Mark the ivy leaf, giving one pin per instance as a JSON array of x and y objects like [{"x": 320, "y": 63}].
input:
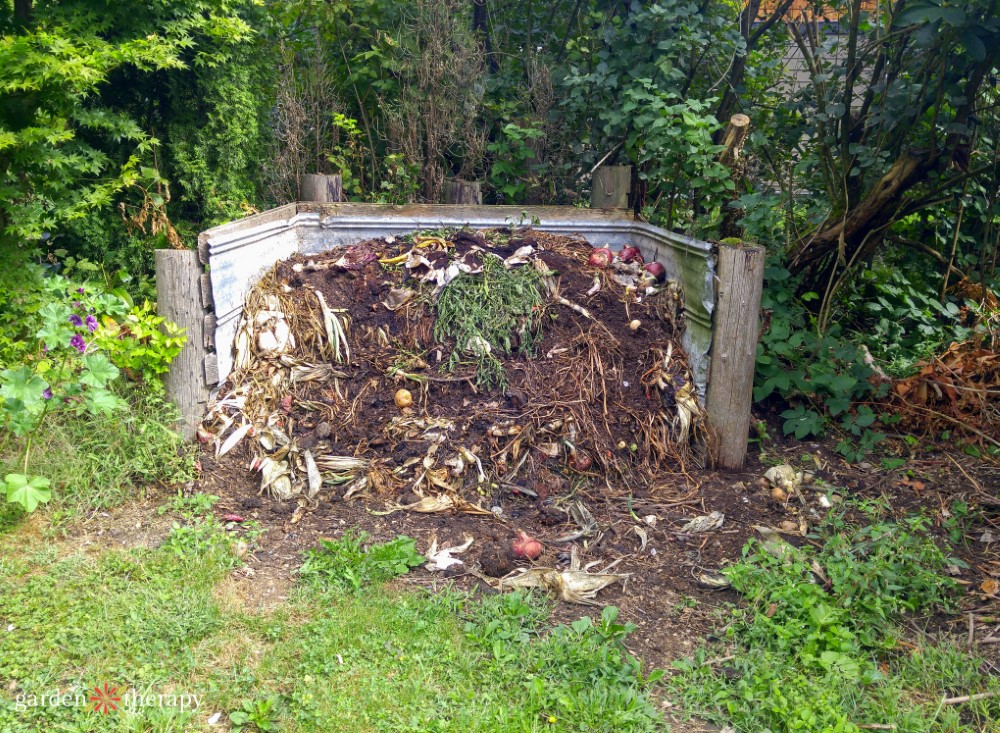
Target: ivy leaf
[
  {"x": 28, "y": 491},
  {"x": 98, "y": 371}
]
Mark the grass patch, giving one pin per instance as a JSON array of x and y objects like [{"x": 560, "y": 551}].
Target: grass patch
[
  {"x": 819, "y": 646},
  {"x": 97, "y": 462},
  {"x": 164, "y": 620},
  {"x": 497, "y": 311}
]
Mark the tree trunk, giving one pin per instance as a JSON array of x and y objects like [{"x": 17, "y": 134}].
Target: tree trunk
[
  {"x": 457, "y": 191},
  {"x": 866, "y": 224},
  {"x": 22, "y": 15},
  {"x": 321, "y": 188},
  {"x": 734, "y": 345},
  {"x": 610, "y": 187}
]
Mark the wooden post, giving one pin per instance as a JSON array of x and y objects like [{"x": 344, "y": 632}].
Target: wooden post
[
  {"x": 178, "y": 299},
  {"x": 457, "y": 191},
  {"x": 610, "y": 187},
  {"x": 732, "y": 158},
  {"x": 321, "y": 188},
  {"x": 734, "y": 345}
]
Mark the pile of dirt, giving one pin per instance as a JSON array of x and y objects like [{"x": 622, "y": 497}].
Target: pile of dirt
[{"x": 445, "y": 370}]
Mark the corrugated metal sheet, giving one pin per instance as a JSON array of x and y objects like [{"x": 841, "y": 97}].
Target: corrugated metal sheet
[{"x": 239, "y": 253}]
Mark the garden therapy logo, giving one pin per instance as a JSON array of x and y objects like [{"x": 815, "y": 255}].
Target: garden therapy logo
[{"x": 106, "y": 698}]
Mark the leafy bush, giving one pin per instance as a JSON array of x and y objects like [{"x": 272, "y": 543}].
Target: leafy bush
[
  {"x": 60, "y": 356},
  {"x": 902, "y": 322},
  {"x": 820, "y": 376},
  {"x": 95, "y": 462},
  {"x": 347, "y": 564}
]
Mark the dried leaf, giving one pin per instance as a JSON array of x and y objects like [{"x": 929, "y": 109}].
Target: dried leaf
[
  {"x": 704, "y": 523},
  {"x": 573, "y": 586},
  {"x": 437, "y": 504},
  {"x": 312, "y": 475},
  {"x": 234, "y": 439},
  {"x": 990, "y": 587},
  {"x": 784, "y": 477}
]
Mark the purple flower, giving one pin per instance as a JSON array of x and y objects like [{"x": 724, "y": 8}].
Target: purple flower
[
  {"x": 78, "y": 343},
  {"x": 91, "y": 324},
  {"x": 80, "y": 291},
  {"x": 77, "y": 305},
  {"x": 76, "y": 320},
  {"x": 47, "y": 393}
]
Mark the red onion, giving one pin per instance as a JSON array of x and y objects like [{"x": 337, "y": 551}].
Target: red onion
[
  {"x": 657, "y": 270},
  {"x": 601, "y": 257},
  {"x": 580, "y": 460},
  {"x": 526, "y": 547},
  {"x": 631, "y": 254}
]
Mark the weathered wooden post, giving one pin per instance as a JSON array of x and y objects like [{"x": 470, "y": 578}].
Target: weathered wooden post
[
  {"x": 610, "y": 187},
  {"x": 179, "y": 298},
  {"x": 736, "y": 318},
  {"x": 457, "y": 191},
  {"x": 321, "y": 188}
]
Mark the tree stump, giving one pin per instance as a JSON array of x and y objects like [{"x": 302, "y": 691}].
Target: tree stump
[
  {"x": 457, "y": 191},
  {"x": 734, "y": 347},
  {"x": 732, "y": 158},
  {"x": 321, "y": 188},
  {"x": 610, "y": 187},
  {"x": 179, "y": 299}
]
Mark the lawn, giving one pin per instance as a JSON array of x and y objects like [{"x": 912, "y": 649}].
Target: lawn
[{"x": 184, "y": 650}]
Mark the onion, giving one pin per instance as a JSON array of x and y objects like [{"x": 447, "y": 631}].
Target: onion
[
  {"x": 601, "y": 257},
  {"x": 634, "y": 325},
  {"x": 630, "y": 254},
  {"x": 403, "y": 398},
  {"x": 526, "y": 547},
  {"x": 580, "y": 460},
  {"x": 657, "y": 270}
]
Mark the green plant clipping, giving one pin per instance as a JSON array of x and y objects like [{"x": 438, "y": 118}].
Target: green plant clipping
[{"x": 497, "y": 311}]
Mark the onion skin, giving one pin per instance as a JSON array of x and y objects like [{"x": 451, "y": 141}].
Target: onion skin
[
  {"x": 601, "y": 257},
  {"x": 657, "y": 270},
  {"x": 631, "y": 254},
  {"x": 526, "y": 547}
]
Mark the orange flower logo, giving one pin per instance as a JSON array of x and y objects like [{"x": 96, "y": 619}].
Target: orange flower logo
[{"x": 105, "y": 698}]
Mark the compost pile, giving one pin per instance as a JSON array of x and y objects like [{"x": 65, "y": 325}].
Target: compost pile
[{"x": 441, "y": 370}]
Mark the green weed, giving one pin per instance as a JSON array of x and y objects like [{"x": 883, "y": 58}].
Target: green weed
[
  {"x": 817, "y": 647},
  {"x": 95, "y": 462},
  {"x": 348, "y": 564}
]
